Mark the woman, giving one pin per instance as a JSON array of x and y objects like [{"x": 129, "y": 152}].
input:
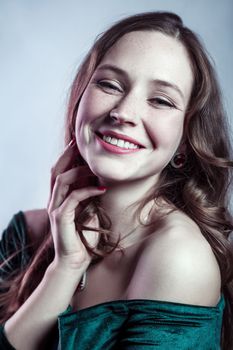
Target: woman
[{"x": 145, "y": 173}]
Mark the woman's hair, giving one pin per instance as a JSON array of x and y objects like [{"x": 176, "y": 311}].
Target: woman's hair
[{"x": 200, "y": 189}]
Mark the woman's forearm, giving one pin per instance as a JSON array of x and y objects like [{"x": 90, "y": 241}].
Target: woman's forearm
[{"x": 32, "y": 322}]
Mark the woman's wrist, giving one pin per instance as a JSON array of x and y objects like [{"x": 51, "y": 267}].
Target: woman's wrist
[{"x": 68, "y": 269}]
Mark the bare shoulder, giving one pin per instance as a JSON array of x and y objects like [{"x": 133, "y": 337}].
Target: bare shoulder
[
  {"x": 36, "y": 222},
  {"x": 178, "y": 265}
]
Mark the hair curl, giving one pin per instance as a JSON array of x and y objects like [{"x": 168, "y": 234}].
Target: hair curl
[{"x": 201, "y": 189}]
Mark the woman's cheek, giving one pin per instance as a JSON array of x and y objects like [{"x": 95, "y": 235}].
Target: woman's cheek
[
  {"x": 97, "y": 104},
  {"x": 167, "y": 135}
]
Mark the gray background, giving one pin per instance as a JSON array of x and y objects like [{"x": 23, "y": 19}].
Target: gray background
[{"x": 41, "y": 45}]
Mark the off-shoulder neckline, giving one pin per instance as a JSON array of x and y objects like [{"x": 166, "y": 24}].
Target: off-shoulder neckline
[{"x": 149, "y": 302}]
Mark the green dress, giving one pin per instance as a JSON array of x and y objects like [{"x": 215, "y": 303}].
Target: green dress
[{"x": 134, "y": 324}]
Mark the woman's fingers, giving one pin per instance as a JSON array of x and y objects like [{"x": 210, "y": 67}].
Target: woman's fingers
[
  {"x": 63, "y": 181},
  {"x": 64, "y": 162},
  {"x": 66, "y": 210},
  {"x": 70, "y": 153},
  {"x": 67, "y": 242}
]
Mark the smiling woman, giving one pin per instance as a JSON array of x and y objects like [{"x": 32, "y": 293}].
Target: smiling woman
[{"x": 134, "y": 239}]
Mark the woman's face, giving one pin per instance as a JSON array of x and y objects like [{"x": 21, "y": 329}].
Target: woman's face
[{"x": 146, "y": 78}]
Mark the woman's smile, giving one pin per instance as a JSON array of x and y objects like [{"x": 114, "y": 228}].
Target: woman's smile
[{"x": 118, "y": 146}]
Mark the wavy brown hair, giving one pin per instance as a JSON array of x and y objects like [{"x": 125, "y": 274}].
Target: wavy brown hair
[{"x": 200, "y": 189}]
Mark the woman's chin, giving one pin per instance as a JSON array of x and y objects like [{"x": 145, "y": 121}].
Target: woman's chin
[
  {"x": 109, "y": 175},
  {"x": 110, "y": 179}
]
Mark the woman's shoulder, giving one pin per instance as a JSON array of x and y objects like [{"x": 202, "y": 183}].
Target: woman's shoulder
[
  {"x": 24, "y": 228},
  {"x": 36, "y": 221},
  {"x": 179, "y": 255},
  {"x": 178, "y": 223}
]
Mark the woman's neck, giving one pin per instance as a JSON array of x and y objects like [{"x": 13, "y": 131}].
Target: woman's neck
[{"x": 121, "y": 201}]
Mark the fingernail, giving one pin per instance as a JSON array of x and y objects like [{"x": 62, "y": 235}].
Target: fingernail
[
  {"x": 71, "y": 143},
  {"x": 102, "y": 188}
]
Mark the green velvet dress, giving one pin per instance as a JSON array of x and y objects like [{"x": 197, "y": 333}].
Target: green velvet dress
[{"x": 134, "y": 324}]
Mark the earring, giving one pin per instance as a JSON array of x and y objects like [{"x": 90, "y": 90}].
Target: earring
[{"x": 178, "y": 160}]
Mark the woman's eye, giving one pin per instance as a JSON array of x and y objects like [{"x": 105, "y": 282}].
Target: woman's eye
[
  {"x": 106, "y": 85},
  {"x": 162, "y": 102}
]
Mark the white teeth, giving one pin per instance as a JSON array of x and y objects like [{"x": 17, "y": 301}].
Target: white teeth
[
  {"x": 113, "y": 141},
  {"x": 119, "y": 142}
]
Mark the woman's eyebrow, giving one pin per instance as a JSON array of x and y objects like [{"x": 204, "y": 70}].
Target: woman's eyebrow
[
  {"x": 113, "y": 68},
  {"x": 157, "y": 82}
]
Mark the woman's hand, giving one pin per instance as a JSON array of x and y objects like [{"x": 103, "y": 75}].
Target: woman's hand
[{"x": 64, "y": 203}]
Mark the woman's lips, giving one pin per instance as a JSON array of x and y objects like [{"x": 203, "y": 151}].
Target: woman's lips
[{"x": 114, "y": 149}]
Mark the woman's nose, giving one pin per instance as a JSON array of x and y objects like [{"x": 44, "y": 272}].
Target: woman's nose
[
  {"x": 125, "y": 111},
  {"x": 120, "y": 118}
]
